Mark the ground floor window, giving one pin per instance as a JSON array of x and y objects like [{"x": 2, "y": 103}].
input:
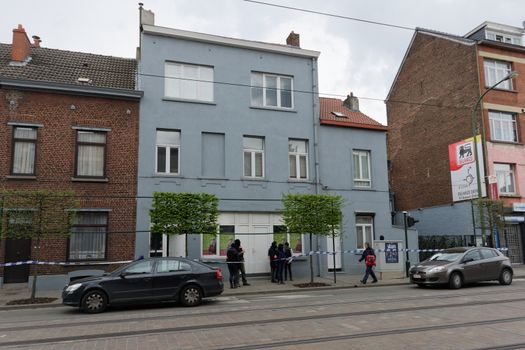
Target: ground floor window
[
  {"x": 88, "y": 236},
  {"x": 281, "y": 236},
  {"x": 364, "y": 229},
  {"x": 156, "y": 244},
  {"x": 217, "y": 244}
]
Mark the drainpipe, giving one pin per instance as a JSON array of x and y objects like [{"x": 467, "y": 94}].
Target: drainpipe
[{"x": 316, "y": 115}]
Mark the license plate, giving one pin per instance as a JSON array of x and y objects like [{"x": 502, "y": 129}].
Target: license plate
[{"x": 416, "y": 276}]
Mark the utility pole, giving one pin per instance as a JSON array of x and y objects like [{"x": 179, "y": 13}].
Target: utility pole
[{"x": 407, "y": 261}]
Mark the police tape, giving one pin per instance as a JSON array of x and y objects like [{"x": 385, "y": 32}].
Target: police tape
[{"x": 315, "y": 252}]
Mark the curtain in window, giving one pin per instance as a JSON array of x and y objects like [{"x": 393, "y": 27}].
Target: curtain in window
[
  {"x": 88, "y": 237},
  {"x": 91, "y": 157},
  {"x": 24, "y": 158}
]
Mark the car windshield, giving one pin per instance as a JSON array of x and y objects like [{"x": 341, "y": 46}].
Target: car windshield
[{"x": 445, "y": 256}]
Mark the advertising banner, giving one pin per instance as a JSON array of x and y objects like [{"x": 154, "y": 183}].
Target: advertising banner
[{"x": 463, "y": 169}]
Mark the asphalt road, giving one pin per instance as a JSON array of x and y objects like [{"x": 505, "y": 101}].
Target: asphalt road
[{"x": 487, "y": 316}]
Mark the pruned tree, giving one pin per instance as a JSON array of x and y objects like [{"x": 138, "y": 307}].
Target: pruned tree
[
  {"x": 493, "y": 215},
  {"x": 184, "y": 213},
  {"x": 36, "y": 215},
  {"x": 312, "y": 214}
]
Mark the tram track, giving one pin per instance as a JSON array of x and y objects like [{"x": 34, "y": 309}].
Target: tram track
[{"x": 222, "y": 325}]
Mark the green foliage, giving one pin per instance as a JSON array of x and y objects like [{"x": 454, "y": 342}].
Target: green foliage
[
  {"x": 493, "y": 213},
  {"x": 312, "y": 213},
  {"x": 183, "y": 213},
  {"x": 36, "y": 214}
]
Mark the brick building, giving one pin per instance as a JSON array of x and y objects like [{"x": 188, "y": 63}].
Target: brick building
[
  {"x": 429, "y": 108},
  {"x": 69, "y": 121}
]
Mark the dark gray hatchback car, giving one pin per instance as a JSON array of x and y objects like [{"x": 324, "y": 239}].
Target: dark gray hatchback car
[
  {"x": 146, "y": 281},
  {"x": 456, "y": 267}
]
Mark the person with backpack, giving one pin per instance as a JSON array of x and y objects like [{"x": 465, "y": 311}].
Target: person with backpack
[
  {"x": 232, "y": 260},
  {"x": 242, "y": 269},
  {"x": 272, "y": 255},
  {"x": 288, "y": 262},
  {"x": 370, "y": 261},
  {"x": 281, "y": 261}
]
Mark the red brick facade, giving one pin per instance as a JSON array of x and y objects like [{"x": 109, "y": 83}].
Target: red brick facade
[
  {"x": 432, "y": 96},
  {"x": 58, "y": 114}
]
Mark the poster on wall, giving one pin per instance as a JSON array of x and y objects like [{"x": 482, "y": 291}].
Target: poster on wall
[
  {"x": 463, "y": 169},
  {"x": 391, "y": 253}
]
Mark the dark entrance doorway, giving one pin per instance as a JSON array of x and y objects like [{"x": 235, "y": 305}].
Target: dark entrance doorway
[{"x": 17, "y": 249}]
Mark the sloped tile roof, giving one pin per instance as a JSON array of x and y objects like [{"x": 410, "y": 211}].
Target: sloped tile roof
[
  {"x": 65, "y": 67},
  {"x": 353, "y": 119}
]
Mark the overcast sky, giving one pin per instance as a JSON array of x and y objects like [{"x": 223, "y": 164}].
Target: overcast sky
[{"x": 355, "y": 56}]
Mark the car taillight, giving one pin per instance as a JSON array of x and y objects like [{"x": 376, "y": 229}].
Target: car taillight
[{"x": 218, "y": 274}]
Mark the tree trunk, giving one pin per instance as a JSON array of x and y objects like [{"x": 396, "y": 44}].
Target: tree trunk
[
  {"x": 311, "y": 260},
  {"x": 35, "y": 272}
]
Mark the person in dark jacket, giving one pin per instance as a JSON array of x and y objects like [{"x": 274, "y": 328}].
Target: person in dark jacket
[
  {"x": 232, "y": 260},
  {"x": 272, "y": 256},
  {"x": 288, "y": 261},
  {"x": 370, "y": 261},
  {"x": 242, "y": 269},
  {"x": 281, "y": 261}
]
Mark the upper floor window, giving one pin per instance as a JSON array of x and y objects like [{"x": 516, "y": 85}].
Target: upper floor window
[
  {"x": 505, "y": 176},
  {"x": 253, "y": 156},
  {"x": 298, "y": 157},
  {"x": 91, "y": 153},
  {"x": 496, "y": 71},
  {"x": 503, "y": 126},
  {"x": 168, "y": 149},
  {"x": 188, "y": 82},
  {"x": 24, "y": 151},
  {"x": 362, "y": 176},
  {"x": 504, "y": 38},
  {"x": 270, "y": 90}
]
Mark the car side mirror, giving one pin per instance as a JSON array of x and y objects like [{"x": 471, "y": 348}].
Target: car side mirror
[{"x": 467, "y": 260}]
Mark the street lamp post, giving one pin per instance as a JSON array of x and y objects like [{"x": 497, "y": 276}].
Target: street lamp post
[
  {"x": 407, "y": 261},
  {"x": 511, "y": 75}
]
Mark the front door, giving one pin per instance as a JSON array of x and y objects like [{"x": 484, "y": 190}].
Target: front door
[{"x": 17, "y": 249}]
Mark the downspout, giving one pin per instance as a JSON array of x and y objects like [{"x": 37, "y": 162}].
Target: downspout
[{"x": 316, "y": 115}]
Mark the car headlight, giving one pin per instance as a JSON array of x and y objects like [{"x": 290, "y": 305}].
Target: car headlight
[
  {"x": 437, "y": 269},
  {"x": 73, "y": 287}
]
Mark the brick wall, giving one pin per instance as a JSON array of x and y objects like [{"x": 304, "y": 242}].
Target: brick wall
[
  {"x": 55, "y": 160},
  {"x": 428, "y": 109}
]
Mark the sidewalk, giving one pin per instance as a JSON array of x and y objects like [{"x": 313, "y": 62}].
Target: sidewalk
[{"x": 258, "y": 285}]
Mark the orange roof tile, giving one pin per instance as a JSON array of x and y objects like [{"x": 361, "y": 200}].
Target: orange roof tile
[{"x": 352, "y": 119}]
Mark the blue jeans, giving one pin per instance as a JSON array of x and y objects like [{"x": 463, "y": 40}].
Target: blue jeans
[{"x": 369, "y": 272}]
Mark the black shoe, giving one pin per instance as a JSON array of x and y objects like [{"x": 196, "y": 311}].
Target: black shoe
[
  {"x": 375, "y": 281},
  {"x": 274, "y": 281},
  {"x": 362, "y": 282},
  {"x": 246, "y": 284}
]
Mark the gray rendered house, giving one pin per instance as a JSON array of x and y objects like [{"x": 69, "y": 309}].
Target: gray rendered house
[{"x": 238, "y": 119}]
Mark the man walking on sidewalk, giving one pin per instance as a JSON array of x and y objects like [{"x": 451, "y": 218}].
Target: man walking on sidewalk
[{"x": 370, "y": 261}]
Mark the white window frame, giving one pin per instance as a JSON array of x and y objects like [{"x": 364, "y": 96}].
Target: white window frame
[
  {"x": 500, "y": 69},
  {"x": 218, "y": 238},
  {"x": 505, "y": 38},
  {"x": 505, "y": 125},
  {"x": 358, "y": 173},
  {"x": 253, "y": 152},
  {"x": 278, "y": 89},
  {"x": 168, "y": 148},
  {"x": 297, "y": 160},
  {"x": 506, "y": 178},
  {"x": 200, "y": 81},
  {"x": 363, "y": 227}
]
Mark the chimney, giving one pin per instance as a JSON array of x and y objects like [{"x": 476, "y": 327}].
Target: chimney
[
  {"x": 21, "y": 45},
  {"x": 351, "y": 102},
  {"x": 36, "y": 41},
  {"x": 146, "y": 16},
  {"x": 293, "y": 39}
]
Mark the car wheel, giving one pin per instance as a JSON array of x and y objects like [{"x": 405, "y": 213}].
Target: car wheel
[
  {"x": 94, "y": 301},
  {"x": 421, "y": 285},
  {"x": 455, "y": 281},
  {"x": 506, "y": 277},
  {"x": 191, "y": 295}
]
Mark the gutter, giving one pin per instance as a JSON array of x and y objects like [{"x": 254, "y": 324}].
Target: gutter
[{"x": 71, "y": 89}]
